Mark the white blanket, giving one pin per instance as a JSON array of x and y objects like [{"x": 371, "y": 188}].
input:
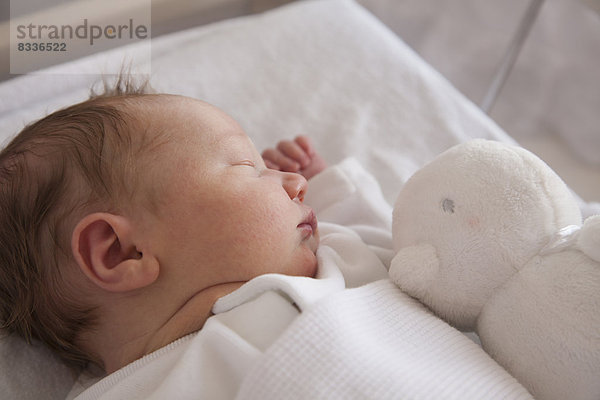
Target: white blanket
[
  {"x": 326, "y": 68},
  {"x": 375, "y": 342}
]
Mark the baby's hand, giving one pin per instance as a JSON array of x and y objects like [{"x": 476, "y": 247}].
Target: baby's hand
[{"x": 296, "y": 155}]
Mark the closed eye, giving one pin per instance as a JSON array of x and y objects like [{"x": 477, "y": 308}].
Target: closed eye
[{"x": 247, "y": 163}]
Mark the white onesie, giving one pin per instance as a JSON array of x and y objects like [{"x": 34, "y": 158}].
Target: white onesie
[{"x": 283, "y": 337}]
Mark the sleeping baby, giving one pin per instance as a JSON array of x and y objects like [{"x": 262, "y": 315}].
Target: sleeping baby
[{"x": 147, "y": 242}]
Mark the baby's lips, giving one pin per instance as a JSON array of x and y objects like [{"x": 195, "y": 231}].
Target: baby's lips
[
  {"x": 309, "y": 221},
  {"x": 313, "y": 221}
]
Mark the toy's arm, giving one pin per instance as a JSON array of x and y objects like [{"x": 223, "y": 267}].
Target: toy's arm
[{"x": 414, "y": 268}]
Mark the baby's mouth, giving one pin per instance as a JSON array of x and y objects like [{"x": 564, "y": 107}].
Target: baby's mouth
[{"x": 309, "y": 223}]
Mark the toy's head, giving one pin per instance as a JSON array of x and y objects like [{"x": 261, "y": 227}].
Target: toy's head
[{"x": 469, "y": 220}]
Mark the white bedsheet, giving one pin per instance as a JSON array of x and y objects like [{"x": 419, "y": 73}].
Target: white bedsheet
[{"x": 326, "y": 68}]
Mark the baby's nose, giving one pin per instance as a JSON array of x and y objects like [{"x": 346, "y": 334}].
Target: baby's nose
[{"x": 295, "y": 185}]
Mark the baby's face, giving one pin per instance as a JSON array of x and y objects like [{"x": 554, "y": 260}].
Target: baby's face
[{"x": 221, "y": 215}]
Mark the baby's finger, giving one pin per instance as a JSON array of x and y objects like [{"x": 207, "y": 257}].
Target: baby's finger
[
  {"x": 306, "y": 144},
  {"x": 294, "y": 151},
  {"x": 282, "y": 162},
  {"x": 270, "y": 164}
]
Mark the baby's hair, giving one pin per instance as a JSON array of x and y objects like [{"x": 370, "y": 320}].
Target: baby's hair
[{"x": 65, "y": 164}]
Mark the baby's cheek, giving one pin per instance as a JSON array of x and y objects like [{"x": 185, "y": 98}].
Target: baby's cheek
[
  {"x": 261, "y": 228},
  {"x": 277, "y": 233}
]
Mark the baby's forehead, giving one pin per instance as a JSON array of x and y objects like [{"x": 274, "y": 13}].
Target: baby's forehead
[
  {"x": 177, "y": 129},
  {"x": 185, "y": 118}
]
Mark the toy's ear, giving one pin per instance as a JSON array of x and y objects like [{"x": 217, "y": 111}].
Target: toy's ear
[{"x": 104, "y": 249}]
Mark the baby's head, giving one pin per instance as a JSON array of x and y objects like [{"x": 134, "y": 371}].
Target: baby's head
[{"x": 123, "y": 218}]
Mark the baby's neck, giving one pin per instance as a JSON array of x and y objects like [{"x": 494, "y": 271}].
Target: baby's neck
[{"x": 132, "y": 335}]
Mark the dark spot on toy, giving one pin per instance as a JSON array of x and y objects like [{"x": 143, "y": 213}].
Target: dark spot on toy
[{"x": 448, "y": 206}]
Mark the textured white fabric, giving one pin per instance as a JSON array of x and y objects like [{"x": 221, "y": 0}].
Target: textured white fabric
[{"x": 374, "y": 342}]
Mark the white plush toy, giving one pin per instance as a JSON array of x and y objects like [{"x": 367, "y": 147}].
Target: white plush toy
[{"x": 490, "y": 239}]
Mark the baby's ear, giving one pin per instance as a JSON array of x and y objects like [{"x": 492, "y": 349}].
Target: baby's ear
[{"x": 104, "y": 249}]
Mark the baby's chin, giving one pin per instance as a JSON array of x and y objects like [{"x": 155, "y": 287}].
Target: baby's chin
[
  {"x": 308, "y": 264},
  {"x": 312, "y": 267},
  {"x": 313, "y": 245},
  {"x": 313, "y": 242}
]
